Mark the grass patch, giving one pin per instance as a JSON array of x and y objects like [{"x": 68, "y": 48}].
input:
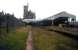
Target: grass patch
[
  {"x": 47, "y": 40},
  {"x": 14, "y": 40}
]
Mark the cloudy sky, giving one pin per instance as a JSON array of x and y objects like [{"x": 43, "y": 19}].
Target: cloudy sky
[{"x": 42, "y": 8}]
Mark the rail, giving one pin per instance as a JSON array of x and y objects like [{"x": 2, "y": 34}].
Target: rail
[{"x": 64, "y": 31}]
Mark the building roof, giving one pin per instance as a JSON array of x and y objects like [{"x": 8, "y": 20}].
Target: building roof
[
  {"x": 30, "y": 20},
  {"x": 61, "y": 14}
]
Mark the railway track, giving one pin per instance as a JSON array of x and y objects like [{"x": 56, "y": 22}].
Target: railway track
[
  {"x": 65, "y": 31},
  {"x": 47, "y": 37},
  {"x": 45, "y": 31}
]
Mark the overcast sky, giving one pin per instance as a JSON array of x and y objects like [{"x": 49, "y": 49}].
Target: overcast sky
[{"x": 42, "y": 8}]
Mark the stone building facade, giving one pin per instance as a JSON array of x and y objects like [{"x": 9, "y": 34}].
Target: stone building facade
[{"x": 28, "y": 14}]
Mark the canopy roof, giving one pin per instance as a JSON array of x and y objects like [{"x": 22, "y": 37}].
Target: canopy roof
[{"x": 61, "y": 14}]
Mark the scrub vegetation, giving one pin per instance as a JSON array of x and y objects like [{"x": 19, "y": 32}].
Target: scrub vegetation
[
  {"x": 50, "y": 40},
  {"x": 14, "y": 40}
]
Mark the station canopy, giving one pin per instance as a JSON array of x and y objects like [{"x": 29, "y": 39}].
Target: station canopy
[
  {"x": 61, "y": 14},
  {"x": 30, "y": 20}
]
